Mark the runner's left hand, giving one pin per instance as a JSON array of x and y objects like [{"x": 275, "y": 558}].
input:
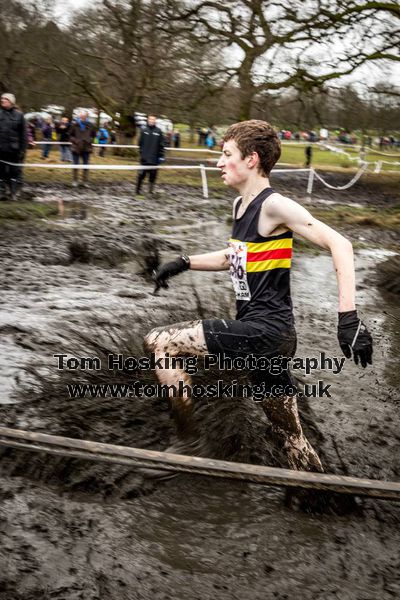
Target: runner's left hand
[{"x": 354, "y": 336}]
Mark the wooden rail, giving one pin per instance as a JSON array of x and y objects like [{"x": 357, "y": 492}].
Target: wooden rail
[{"x": 137, "y": 457}]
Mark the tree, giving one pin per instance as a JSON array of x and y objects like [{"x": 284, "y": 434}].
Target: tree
[
  {"x": 276, "y": 44},
  {"x": 125, "y": 57}
]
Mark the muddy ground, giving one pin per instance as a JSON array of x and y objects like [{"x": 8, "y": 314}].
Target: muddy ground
[{"x": 76, "y": 530}]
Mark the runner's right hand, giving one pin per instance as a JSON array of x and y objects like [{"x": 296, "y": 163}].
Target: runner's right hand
[{"x": 174, "y": 267}]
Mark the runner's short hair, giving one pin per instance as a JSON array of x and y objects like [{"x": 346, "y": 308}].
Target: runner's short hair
[{"x": 256, "y": 136}]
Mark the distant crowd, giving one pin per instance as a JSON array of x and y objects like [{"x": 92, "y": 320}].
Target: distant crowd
[
  {"x": 58, "y": 130},
  {"x": 52, "y": 130},
  {"x": 340, "y": 135}
]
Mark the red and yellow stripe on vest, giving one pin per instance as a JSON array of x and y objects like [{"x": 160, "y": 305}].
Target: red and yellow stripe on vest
[{"x": 276, "y": 254}]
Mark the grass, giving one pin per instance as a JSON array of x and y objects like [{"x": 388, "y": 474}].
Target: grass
[
  {"x": 292, "y": 155},
  {"x": 26, "y": 211},
  {"x": 325, "y": 159}
]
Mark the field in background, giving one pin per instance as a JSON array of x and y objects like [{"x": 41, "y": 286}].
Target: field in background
[{"x": 292, "y": 155}]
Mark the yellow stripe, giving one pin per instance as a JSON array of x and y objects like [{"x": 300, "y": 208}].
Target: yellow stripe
[
  {"x": 267, "y": 265},
  {"x": 264, "y": 246}
]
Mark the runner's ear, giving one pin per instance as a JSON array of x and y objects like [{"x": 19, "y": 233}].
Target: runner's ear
[{"x": 253, "y": 159}]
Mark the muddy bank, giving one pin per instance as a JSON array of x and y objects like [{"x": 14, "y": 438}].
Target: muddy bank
[{"x": 72, "y": 530}]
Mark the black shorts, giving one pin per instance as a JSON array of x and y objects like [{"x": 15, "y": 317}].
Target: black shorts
[{"x": 243, "y": 338}]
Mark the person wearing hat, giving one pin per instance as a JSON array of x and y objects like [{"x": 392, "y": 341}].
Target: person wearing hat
[{"x": 13, "y": 144}]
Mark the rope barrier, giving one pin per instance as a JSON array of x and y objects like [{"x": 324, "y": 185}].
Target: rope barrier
[
  {"x": 105, "y": 167},
  {"x": 203, "y": 169},
  {"x": 138, "y": 457},
  {"x": 339, "y": 151},
  {"x": 129, "y": 146},
  {"x": 348, "y": 185},
  {"x": 382, "y": 153}
]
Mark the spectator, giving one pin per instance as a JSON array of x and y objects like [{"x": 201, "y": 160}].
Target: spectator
[
  {"x": 47, "y": 133},
  {"x": 103, "y": 137},
  {"x": 31, "y": 133},
  {"x": 168, "y": 138},
  {"x": 151, "y": 148},
  {"x": 13, "y": 144},
  {"x": 81, "y": 135},
  {"x": 210, "y": 140},
  {"x": 63, "y": 129},
  {"x": 308, "y": 152},
  {"x": 203, "y": 132},
  {"x": 176, "y": 138}
]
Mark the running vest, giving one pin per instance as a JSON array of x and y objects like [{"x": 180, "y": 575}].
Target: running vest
[{"x": 260, "y": 270}]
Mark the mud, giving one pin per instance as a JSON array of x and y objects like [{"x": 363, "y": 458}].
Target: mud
[{"x": 79, "y": 284}]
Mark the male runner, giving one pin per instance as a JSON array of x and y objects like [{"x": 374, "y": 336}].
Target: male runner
[
  {"x": 151, "y": 148},
  {"x": 259, "y": 259}
]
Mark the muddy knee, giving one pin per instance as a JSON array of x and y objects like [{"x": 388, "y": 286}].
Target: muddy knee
[{"x": 150, "y": 340}]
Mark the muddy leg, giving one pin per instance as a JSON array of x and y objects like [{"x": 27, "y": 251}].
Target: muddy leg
[
  {"x": 178, "y": 340},
  {"x": 284, "y": 417}
]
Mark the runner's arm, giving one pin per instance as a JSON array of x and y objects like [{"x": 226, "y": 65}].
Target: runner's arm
[
  {"x": 212, "y": 261},
  {"x": 300, "y": 221}
]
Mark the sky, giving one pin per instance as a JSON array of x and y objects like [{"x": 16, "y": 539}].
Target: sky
[
  {"x": 363, "y": 77},
  {"x": 64, "y": 8}
]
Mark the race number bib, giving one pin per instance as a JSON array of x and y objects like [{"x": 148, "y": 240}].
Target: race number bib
[{"x": 237, "y": 269}]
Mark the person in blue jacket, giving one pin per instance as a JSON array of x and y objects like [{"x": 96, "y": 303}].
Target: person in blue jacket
[{"x": 103, "y": 136}]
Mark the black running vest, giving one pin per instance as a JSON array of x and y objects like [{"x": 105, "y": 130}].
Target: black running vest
[{"x": 260, "y": 270}]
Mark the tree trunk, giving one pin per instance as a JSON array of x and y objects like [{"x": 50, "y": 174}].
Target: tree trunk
[{"x": 247, "y": 90}]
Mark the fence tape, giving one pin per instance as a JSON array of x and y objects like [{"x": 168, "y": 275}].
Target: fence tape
[
  {"x": 382, "y": 153},
  {"x": 339, "y": 151},
  {"x": 357, "y": 176},
  {"x": 127, "y": 167},
  {"x": 202, "y": 168},
  {"x": 105, "y": 167},
  {"x": 129, "y": 146}
]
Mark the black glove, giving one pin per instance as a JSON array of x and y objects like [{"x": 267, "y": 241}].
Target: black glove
[
  {"x": 161, "y": 276},
  {"x": 353, "y": 335}
]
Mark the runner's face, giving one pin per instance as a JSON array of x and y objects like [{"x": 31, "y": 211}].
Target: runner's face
[{"x": 234, "y": 168}]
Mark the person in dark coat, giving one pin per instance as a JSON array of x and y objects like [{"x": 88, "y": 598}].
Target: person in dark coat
[
  {"x": 308, "y": 154},
  {"x": 47, "y": 134},
  {"x": 176, "y": 139},
  {"x": 151, "y": 148},
  {"x": 62, "y": 130},
  {"x": 81, "y": 136},
  {"x": 13, "y": 144}
]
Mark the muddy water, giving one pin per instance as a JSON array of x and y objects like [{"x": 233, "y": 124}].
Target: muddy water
[{"x": 73, "y": 530}]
